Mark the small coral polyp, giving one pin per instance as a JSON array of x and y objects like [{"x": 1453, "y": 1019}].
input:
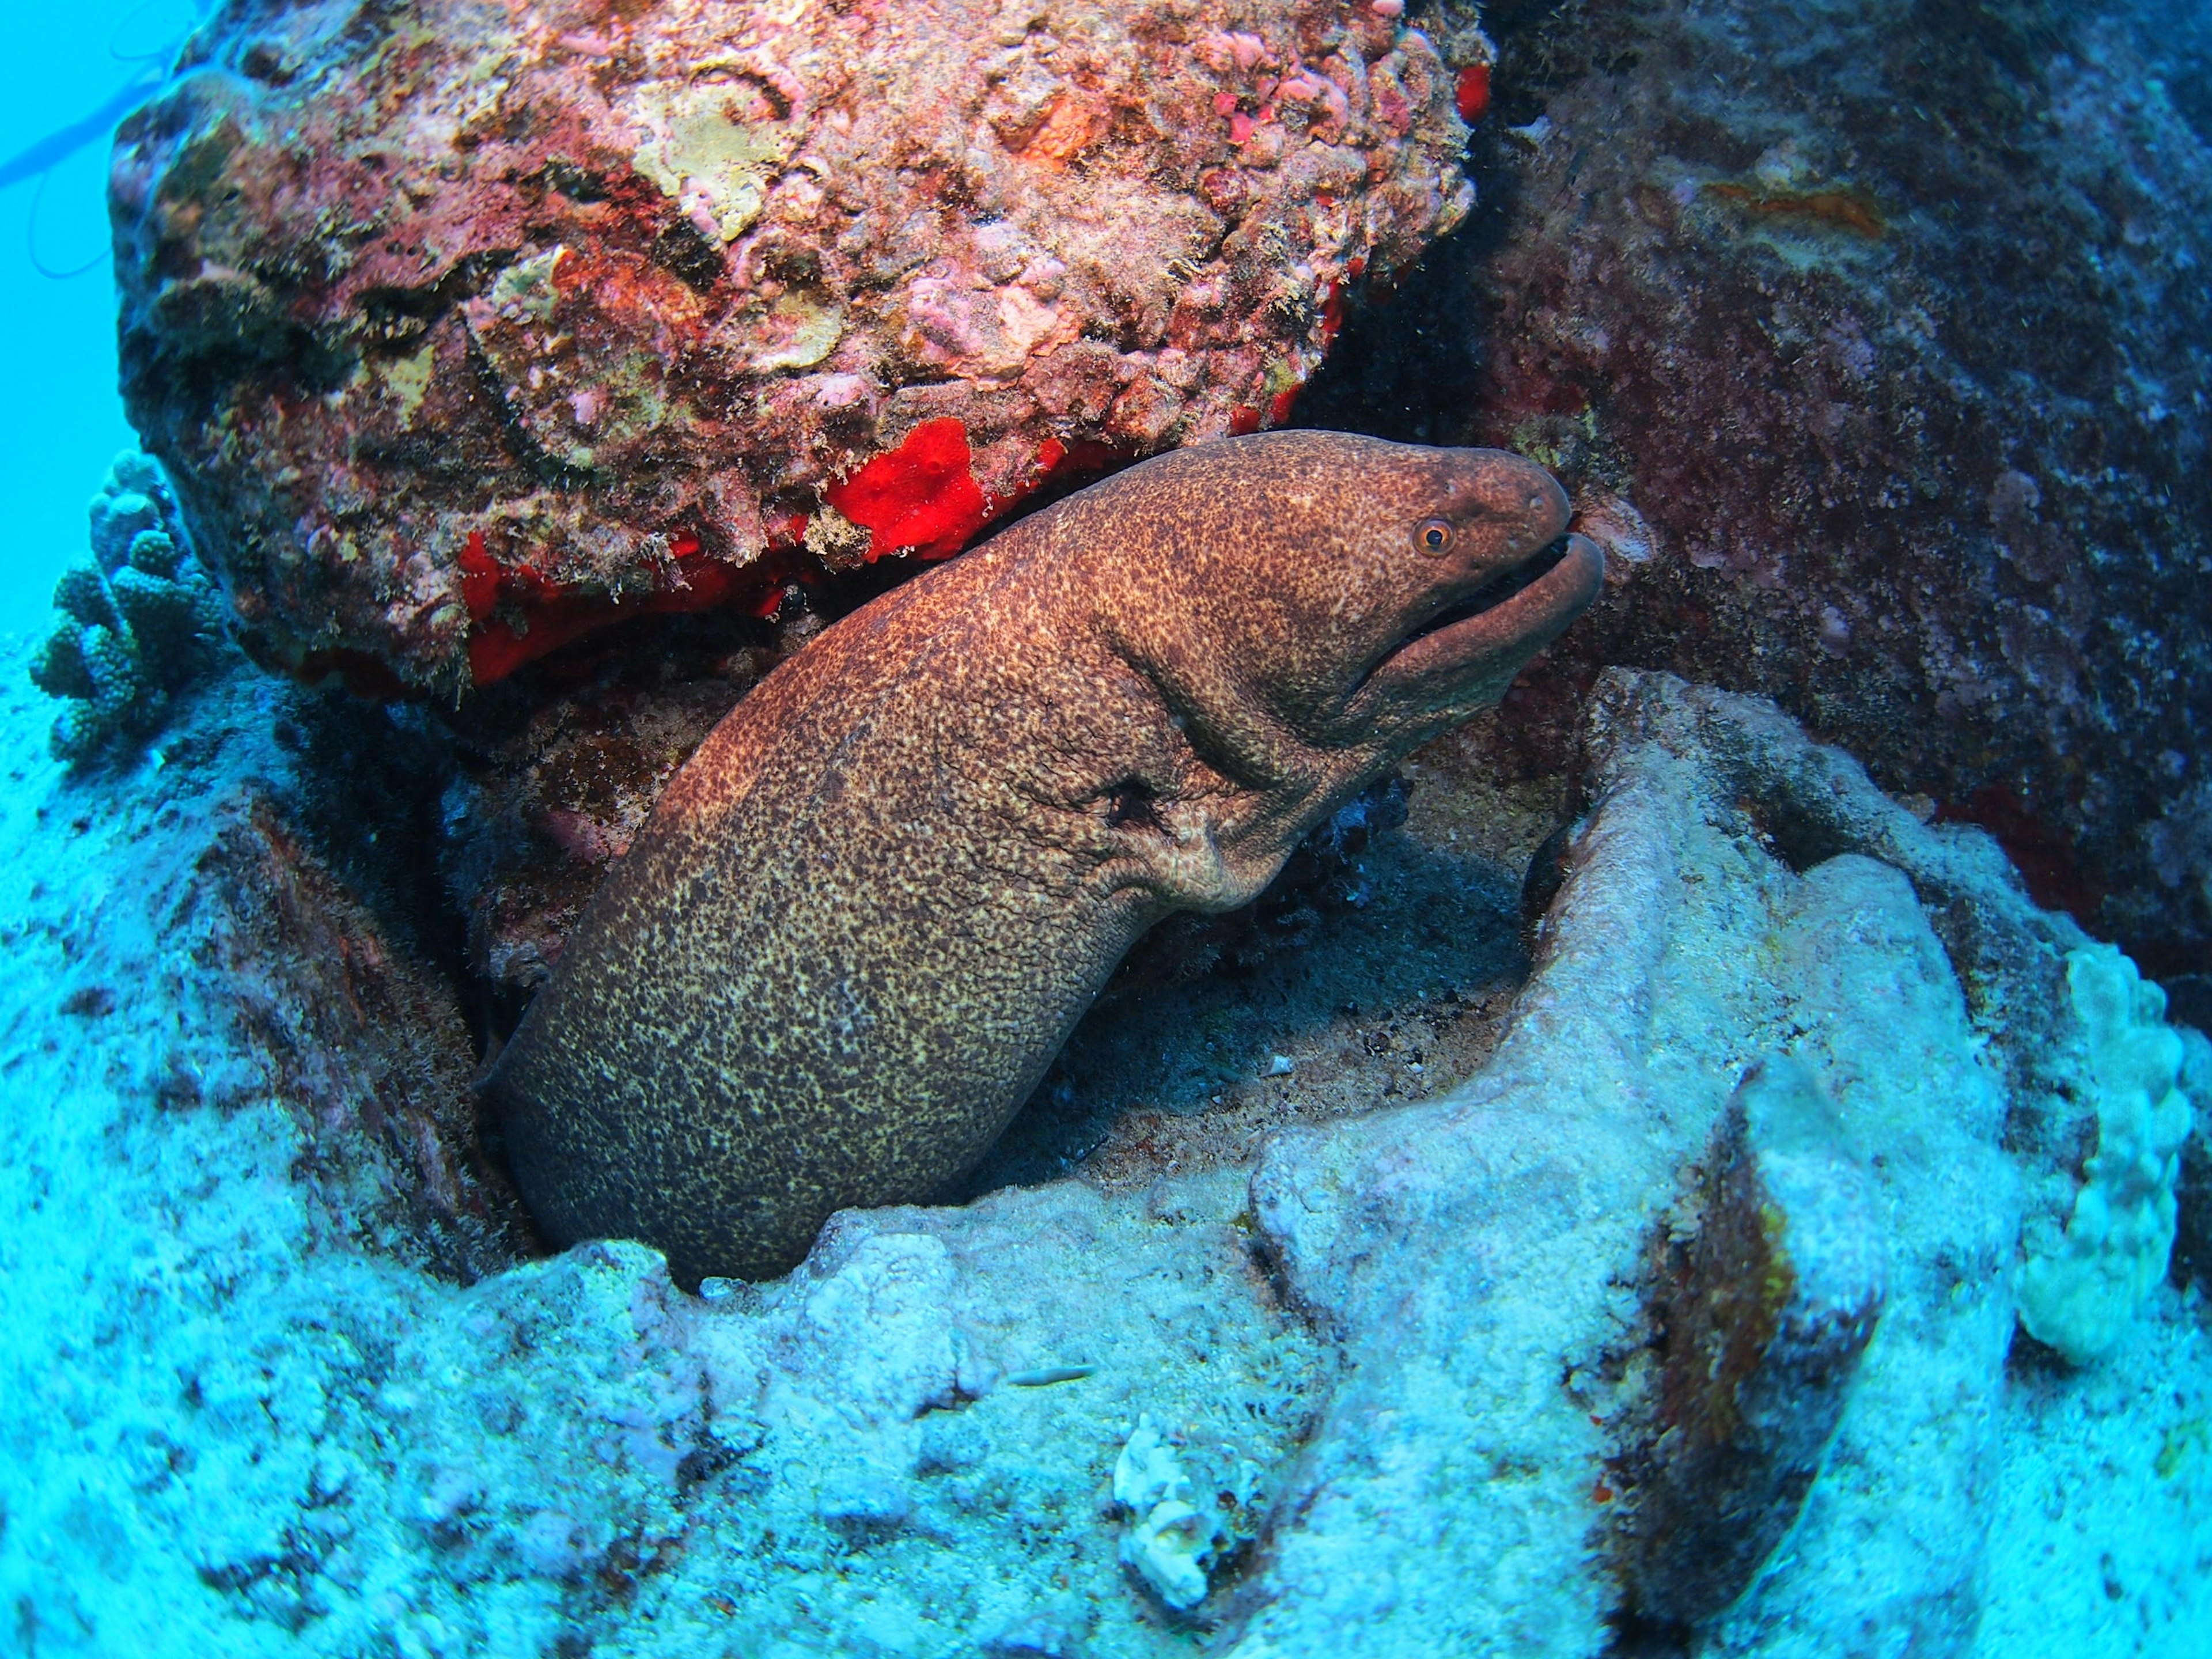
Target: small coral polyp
[
  {"x": 2082, "y": 1296},
  {"x": 570, "y": 284},
  {"x": 1182, "y": 1527}
]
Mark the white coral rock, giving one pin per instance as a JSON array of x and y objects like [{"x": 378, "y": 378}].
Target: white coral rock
[
  {"x": 1171, "y": 1542},
  {"x": 2081, "y": 1297}
]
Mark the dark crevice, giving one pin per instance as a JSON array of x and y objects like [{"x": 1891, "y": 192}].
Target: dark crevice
[
  {"x": 1633, "y": 1637},
  {"x": 683, "y": 248},
  {"x": 397, "y": 318},
  {"x": 1800, "y": 839},
  {"x": 374, "y": 775}
]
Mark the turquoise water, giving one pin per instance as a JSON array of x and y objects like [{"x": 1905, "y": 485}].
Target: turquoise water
[{"x": 62, "y": 423}]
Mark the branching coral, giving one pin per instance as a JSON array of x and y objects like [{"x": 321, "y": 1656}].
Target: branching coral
[{"x": 139, "y": 619}]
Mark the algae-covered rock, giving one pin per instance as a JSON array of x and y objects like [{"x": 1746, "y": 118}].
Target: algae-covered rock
[
  {"x": 279, "y": 1377},
  {"x": 1733, "y": 889},
  {"x": 1772, "y": 1305},
  {"x": 1869, "y": 338},
  {"x": 467, "y": 328}
]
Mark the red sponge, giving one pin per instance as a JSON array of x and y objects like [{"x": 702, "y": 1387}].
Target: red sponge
[{"x": 921, "y": 498}]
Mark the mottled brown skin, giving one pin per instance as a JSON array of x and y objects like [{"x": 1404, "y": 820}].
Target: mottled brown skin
[{"x": 867, "y": 914}]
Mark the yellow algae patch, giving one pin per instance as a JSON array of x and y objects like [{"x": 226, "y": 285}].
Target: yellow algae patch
[
  {"x": 408, "y": 381},
  {"x": 800, "y": 332},
  {"x": 714, "y": 146},
  {"x": 1845, "y": 208},
  {"x": 526, "y": 289},
  {"x": 635, "y": 398}
]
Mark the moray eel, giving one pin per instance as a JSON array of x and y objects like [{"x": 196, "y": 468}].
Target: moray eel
[{"x": 867, "y": 912}]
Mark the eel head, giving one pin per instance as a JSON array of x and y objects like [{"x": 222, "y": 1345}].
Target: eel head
[
  {"x": 1481, "y": 580},
  {"x": 1368, "y": 595}
]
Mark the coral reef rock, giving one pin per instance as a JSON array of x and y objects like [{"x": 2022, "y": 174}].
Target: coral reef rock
[
  {"x": 1394, "y": 1391},
  {"x": 2080, "y": 1294},
  {"x": 2192, "y": 1234},
  {"x": 1775, "y": 1300},
  {"x": 139, "y": 622},
  {"x": 1872, "y": 339},
  {"x": 1704, "y": 924},
  {"x": 467, "y": 329}
]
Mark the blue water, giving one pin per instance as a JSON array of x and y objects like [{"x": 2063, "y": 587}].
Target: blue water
[{"x": 62, "y": 422}]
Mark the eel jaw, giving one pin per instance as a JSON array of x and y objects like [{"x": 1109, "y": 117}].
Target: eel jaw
[{"x": 1482, "y": 641}]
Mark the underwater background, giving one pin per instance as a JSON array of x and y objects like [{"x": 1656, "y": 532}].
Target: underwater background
[
  {"x": 1709, "y": 1154},
  {"x": 70, "y": 421}
]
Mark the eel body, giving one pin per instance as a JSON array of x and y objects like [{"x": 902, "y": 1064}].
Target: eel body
[{"x": 866, "y": 914}]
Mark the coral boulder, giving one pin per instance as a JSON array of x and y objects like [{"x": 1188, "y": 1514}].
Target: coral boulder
[{"x": 467, "y": 330}]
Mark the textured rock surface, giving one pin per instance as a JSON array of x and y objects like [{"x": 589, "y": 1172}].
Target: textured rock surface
[
  {"x": 242, "y": 1413},
  {"x": 2192, "y": 1242},
  {"x": 469, "y": 327},
  {"x": 285, "y": 984},
  {"x": 1875, "y": 336},
  {"x": 1516, "y": 1380},
  {"x": 1769, "y": 1309}
]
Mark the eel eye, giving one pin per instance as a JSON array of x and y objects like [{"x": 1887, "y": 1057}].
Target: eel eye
[{"x": 1434, "y": 536}]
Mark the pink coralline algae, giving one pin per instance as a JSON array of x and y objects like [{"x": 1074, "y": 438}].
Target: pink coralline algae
[{"x": 467, "y": 330}]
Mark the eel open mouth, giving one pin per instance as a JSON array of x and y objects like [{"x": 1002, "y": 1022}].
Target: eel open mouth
[
  {"x": 1507, "y": 620},
  {"x": 1495, "y": 592}
]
